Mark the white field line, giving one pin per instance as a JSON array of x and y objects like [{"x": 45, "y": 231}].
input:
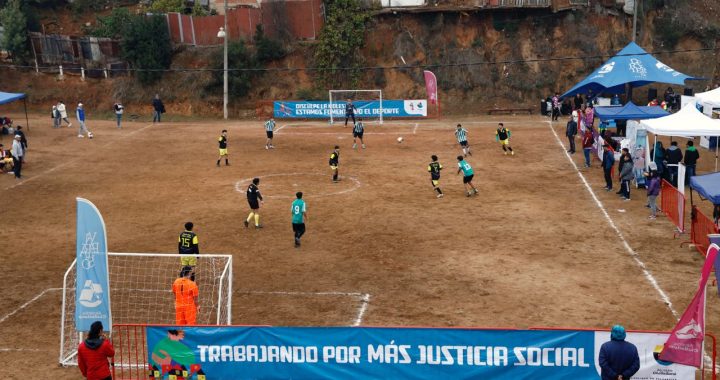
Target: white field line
[
  {"x": 415, "y": 129},
  {"x": 364, "y": 299},
  {"x": 21, "y": 350},
  {"x": 239, "y": 185},
  {"x": 24, "y": 181},
  {"x": 26, "y": 304},
  {"x": 663, "y": 296}
]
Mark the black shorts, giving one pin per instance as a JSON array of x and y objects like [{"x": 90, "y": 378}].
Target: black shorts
[
  {"x": 463, "y": 143},
  {"x": 358, "y": 134},
  {"x": 254, "y": 204},
  {"x": 468, "y": 178},
  {"x": 298, "y": 227},
  {"x": 269, "y": 134}
]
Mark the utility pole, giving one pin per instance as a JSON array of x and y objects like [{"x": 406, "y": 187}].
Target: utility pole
[{"x": 635, "y": 11}]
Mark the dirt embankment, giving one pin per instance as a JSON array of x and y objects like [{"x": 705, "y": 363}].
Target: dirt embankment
[{"x": 482, "y": 60}]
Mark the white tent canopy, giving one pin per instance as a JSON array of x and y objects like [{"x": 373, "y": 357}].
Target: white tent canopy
[
  {"x": 688, "y": 122},
  {"x": 709, "y": 97}
]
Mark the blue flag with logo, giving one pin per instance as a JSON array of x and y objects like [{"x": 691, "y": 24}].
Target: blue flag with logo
[{"x": 92, "y": 287}]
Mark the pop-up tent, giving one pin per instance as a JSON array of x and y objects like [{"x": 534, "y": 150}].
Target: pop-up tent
[
  {"x": 630, "y": 112},
  {"x": 632, "y": 65},
  {"x": 709, "y": 97},
  {"x": 8, "y": 97},
  {"x": 688, "y": 122},
  {"x": 708, "y": 186}
]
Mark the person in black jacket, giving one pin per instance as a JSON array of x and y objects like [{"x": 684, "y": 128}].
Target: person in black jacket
[
  {"x": 618, "y": 359},
  {"x": 158, "y": 108},
  {"x": 608, "y": 160},
  {"x": 570, "y": 131},
  {"x": 674, "y": 155},
  {"x": 691, "y": 158}
]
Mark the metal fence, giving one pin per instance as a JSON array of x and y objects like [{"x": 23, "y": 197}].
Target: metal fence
[{"x": 75, "y": 54}]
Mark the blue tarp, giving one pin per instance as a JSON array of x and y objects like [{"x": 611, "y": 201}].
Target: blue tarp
[
  {"x": 708, "y": 186},
  {"x": 7, "y": 97},
  {"x": 631, "y": 65},
  {"x": 630, "y": 112}
]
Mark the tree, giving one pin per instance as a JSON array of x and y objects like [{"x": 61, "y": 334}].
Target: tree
[
  {"x": 340, "y": 39},
  {"x": 168, "y": 6},
  {"x": 146, "y": 46},
  {"x": 14, "y": 39},
  {"x": 239, "y": 77},
  {"x": 115, "y": 25},
  {"x": 266, "y": 49}
]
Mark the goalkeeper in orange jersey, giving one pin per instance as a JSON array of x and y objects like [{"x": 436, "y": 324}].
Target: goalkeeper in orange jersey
[
  {"x": 186, "y": 298},
  {"x": 502, "y": 135}
]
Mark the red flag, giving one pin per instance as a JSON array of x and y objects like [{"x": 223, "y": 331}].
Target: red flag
[
  {"x": 431, "y": 86},
  {"x": 685, "y": 344}
]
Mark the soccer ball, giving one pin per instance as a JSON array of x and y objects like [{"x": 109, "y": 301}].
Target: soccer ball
[
  {"x": 400, "y": 139},
  {"x": 90, "y": 135}
]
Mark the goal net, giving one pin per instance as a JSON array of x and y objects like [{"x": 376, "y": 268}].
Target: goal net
[
  {"x": 368, "y": 104},
  {"x": 141, "y": 293}
]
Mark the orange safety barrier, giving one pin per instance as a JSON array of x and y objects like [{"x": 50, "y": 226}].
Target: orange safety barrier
[
  {"x": 700, "y": 227},
  {"x": 672, "y": 204}
]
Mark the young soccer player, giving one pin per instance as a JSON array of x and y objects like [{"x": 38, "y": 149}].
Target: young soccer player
[
  {"x": 349, "y": 111},
  {"x": 358, "y": 133},
  {"x": 186, "y": 298},
  {"x": 434, "y": 168},
  {"x": 335, "y": 162},
  {"x": 254, "y": 199},
  {"x": 269, "y": 127},
  {"x": 461, "y": 135},
  {"x": 503, "y": 136},
  {"x": 467, "y": 175},
  {"x": 188, "y": 247},
  {"x": 299, "y": 216},
  {"x": 222, "y": 144}
]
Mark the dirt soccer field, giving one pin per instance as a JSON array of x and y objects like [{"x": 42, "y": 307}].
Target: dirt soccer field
[{"x": 538, "y": 246}]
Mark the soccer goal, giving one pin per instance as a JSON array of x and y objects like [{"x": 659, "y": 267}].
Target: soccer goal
[
  {"x": 369, "y": 104},
  {"x": 141, "y": 292}
]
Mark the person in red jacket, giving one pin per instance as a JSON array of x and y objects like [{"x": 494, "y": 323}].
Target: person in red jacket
[{"x": 93, "y": 354}]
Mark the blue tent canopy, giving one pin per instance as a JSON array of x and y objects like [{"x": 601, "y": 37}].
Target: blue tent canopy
[
  {"x": 630, "y": 112},
  {"x": 708, "y": 186},
  {"x": 631, "y": 65},
  {"x": 8, "y": 97}
]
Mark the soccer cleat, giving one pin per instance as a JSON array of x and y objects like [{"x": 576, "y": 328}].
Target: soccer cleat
[
  {"x": 651, "y": 217},
  {"x": 267, "y": 147},
  {"x": 354, "y": 146},
  {"x": 70, "y": 125},
  {"x": 439, "y": 195},
  {"x": 272, "y": 146},
  {"x": 476, "y": 191},
  {"x": 258, "y": 226},
  {"x": 469, "y": 194},
  {"x": 246, "y": 223},
  {"x": 363, "y": 146},
  {"x": 512, "y": 153},
  {"x": 80, "y": 136},
  {"x": 505, "y": 153},
  {"x": 297, "y": 242}
]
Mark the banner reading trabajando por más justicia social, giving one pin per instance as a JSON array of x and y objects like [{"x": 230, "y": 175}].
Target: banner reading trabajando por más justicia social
[
  {"x": 363, "y": 108},
  {"x": 413, "y": 353}
]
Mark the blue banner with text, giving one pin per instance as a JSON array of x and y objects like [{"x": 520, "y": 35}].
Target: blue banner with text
[{"x": 362, "y": 108}]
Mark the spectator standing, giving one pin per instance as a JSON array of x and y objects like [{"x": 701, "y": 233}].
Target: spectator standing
[
  {"x": 63, "y": 114},
  {"x": 119, "y": 110},
  {"x": 577, "y": 102},
  {"x": 55, "y": 115},
  {"x": 18, "y": 154},
  {"x": 658, "y": 155},
  {"x": 653, "y": 189},
  {"x": 626, "y": 174},
  {"x": 80, "y": 115},
  {"x": 570, "y": 131},
  {"x": 587, "y": 144},
  {"x": 674, "y": 156},
  {"x": 158, "y": 108},
  {"x": 555, "y": 107},
  {"x": 23, "y": 139},
  {"x": 93, "y": 354},
  {"x": 691, "y": 158},
  {"x": 619, "y": 360},
  {"x": 589, "y": 116},
  {"x": 608, "y": 160}
]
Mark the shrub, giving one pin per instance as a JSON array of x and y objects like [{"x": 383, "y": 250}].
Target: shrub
[
  {"x": 240, "y": 60},
  {"x": 14, "y": 38},
  {"x": 266, "y": 49}
]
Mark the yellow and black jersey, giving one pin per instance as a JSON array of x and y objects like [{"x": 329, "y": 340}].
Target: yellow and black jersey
[
  {"x": 222, "y": 142},
  {"x": 502, "y": 133},
  {"x": 253, "y": 193},
  {"x": 188, "y": 243},
  {"x": 434, "y": 169},
  {"x": 334, "y": 158}
]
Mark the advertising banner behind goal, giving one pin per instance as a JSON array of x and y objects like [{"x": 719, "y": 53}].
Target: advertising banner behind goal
[
  {"x": 359, "y": 353},
  {"x": 365, "y": 108}
]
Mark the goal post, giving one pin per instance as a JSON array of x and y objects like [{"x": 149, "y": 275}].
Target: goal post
[
  {"x": 369, "y": 104},
  {"x": 141, "y": 293}
]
